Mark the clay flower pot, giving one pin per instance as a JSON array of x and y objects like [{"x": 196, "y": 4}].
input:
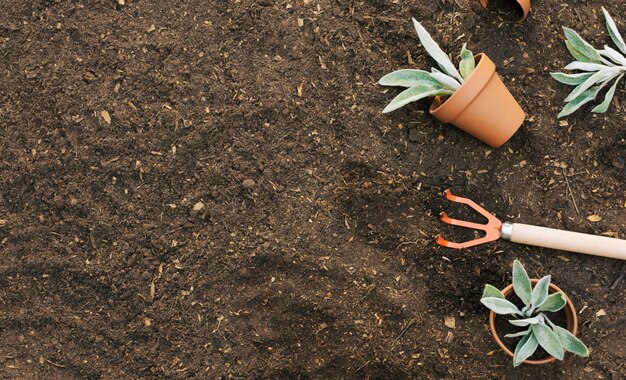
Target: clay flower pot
[
  {"x": 570, "y": 316},
  {"x": 524, "y": 4},
  {"x": 482, "y": 106}
]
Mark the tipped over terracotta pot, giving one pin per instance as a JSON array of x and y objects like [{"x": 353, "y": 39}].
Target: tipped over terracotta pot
[
  {"x": 524, "y": 4},
  {"x": 570, "y": 317},
  {"x": 482, "y": 106}
]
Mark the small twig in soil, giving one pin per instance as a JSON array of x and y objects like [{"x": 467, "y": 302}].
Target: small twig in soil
[
  {"x": 619, "y": 279},
  {"x": 368, "y": 292},
  {"x": 174, "y": 230},
  {"x": 382, "y": 18},
  {"x": 536, "y": 262},
  {"x": 55, "y": 364},
  {"x": 578, "y": 15},
  {"x": 411, "y": 322},
  {"x": 152, "y": 290},
  {"x": 219, "y": 323},
  {"x": 363, "y": 366},
  {"x": 570, "y": 192},
  {"x": 407, "y": 242}
]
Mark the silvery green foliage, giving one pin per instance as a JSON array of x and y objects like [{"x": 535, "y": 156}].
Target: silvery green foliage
[
  {"x": 539, "y": 330},
  {"x": 599, "y": 68},
  {"x": 422, "y": 84}
]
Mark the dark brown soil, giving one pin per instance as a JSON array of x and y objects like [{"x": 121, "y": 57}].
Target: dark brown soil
[{"x": 173, "y": 206}]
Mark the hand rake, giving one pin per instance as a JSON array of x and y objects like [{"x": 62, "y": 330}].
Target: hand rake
[{"x": 532, "y": 235}]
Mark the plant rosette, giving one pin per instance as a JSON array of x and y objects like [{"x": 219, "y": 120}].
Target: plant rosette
[
  {"x": 598, "y": 68},
  {"x": 570, "y": 317},
  {"x": 543, "y": 301},
  {"x": 472, "y": 98}
]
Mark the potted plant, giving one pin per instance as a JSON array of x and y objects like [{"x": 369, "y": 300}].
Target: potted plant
[
  {"x": 543, "y": 305},
  {"x": 472, "y": 98},
  {"x": 599, "y": 67},
  {"x": 524, "y": 4}
]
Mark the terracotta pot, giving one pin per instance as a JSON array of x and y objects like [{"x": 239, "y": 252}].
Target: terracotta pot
[
  {"x": 482, "y": 106},
  {"x": 570, "y": 316},
  {"x": 524, "y": 4}
]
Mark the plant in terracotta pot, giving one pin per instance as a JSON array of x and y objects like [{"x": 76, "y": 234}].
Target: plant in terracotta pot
[
  {"x": 542, "y": 303},
  {"x": 598, "y": 68},
  {"x": 473, "y": 98}
]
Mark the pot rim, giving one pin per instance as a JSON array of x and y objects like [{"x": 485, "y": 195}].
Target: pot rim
[
  {"x": 570, "y": 315},
  {"x": 448, "y": 110},
  {"x": 525, "y": 6}
]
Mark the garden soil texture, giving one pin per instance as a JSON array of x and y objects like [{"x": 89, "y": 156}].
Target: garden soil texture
[{"x": 208, "y": 189}]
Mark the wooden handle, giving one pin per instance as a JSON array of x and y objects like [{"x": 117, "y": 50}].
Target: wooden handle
[{"x": 568, "y": 241}]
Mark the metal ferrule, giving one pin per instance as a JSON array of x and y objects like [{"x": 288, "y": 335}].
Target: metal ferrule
[{"x": 507, "y": 230}]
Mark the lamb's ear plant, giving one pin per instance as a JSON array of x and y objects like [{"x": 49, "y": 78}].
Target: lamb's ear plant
[
  {"x": 539, "y": 330},
  {"x": 598, "y": 68},
  {"x": 422, "y": 84}
]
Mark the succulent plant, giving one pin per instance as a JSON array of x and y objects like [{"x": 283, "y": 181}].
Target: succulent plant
[
  {"x": 422, "y": 84},
  {"x": 599, "y": 67},
  {"x": 540, "y": 331}
]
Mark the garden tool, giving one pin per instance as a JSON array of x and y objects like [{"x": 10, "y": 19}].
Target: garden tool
[{"x": 532, "y": 235}]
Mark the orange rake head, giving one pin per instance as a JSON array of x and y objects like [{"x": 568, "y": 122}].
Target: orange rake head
[{"x": 493, "y": 228}]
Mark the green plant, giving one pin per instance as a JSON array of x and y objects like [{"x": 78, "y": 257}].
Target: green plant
[
  {"x": 598, "y": 68},
  {"x": 540, "y": 330},
  {"x": 422, "y": 84}
]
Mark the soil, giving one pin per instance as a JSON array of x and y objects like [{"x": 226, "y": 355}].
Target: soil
[{"x": 200, "y": 189}]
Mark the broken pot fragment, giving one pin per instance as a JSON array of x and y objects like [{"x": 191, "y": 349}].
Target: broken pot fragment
[{"x": 524, "y": 4}]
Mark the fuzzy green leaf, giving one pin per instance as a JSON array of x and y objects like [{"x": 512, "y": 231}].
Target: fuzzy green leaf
[
  {"x": 585, "y": 66},
  {"x": 575, "y": 53},
  {"x": 570, "y": 342},
  {"x": 521, "y": 283},
  {"x": 407, "y": 78},
  {"x": 492, "y": 291},
  {"x": 467, "y": 64},
  {"x": 446, "y": 80},
  {"x": 604, "y": 106},
  {"x": 548, "y": 340},
  {"x": 435, "y": 51},
  {"x": 526, "y": 322},
  {"x": 580, "y": 45},
  {"x": 554, "y": 302},
  {"x": 524, "y": 349},
  {"x": 540, "y": 292},
  {"x": 500, "y": 306},
  {"x": 613, "y": 55},
  {"x": 571, "y": 79},
  {"x": 581, "y": 100},
  {"x": 521, "y": 333},
  {"x": 613, "y": 32},
  {"x": 414, "y": 94},
  {"x": 599, "y": 77}
]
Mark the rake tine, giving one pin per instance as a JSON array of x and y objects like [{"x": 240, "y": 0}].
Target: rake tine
[
  {"x": 450, "y": 244},
  {"x": 491, "y": 228},
  {"x": 455, "y": 222},
  {"x": 472, "y": 204}
]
